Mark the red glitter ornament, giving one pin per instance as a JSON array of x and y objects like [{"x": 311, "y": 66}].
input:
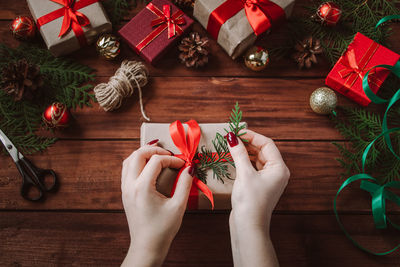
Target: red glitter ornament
[
  {"x": 23, "y": 28},
  {"x": 328, "y": 13},
  {"x": 56, "y": 115}
]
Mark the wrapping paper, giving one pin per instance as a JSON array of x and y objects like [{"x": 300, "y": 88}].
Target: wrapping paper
[
  {"x": 139, "y": 27},
  {"x": 346, "y": 77},
  {"x": 221, "y": 191},
  {"x": 236, "y": 34},
  {"x": 99, "y": 23}
]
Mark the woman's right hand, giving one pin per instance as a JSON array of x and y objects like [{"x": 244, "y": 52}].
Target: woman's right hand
[{"x": 255, "y": 195}]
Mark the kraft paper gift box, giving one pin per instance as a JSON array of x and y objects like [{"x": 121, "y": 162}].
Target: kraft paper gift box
[
  {"x": 165, "y": 182},
  {"x": 242, "y": 24},
  {"x": 148, "y": 33},
  {"x": 52, "y": 16},
  {"x": 360, "y": 56}
]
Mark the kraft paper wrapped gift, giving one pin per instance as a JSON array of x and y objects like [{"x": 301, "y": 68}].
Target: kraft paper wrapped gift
[
  {"x": 52, "y": 16},
  {"x": 221, "y": 191},
  {"x": 151, "y": 33},
  {"x": 242, "y": 21}
]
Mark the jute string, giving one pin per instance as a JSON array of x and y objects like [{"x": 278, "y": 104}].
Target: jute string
[{"x": 131, "y": 75}]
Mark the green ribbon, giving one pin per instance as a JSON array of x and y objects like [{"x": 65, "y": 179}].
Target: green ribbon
[{"x": 379, "y": 193}]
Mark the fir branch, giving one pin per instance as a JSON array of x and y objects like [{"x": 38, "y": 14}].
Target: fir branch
[{"x": 118, "y": 9}]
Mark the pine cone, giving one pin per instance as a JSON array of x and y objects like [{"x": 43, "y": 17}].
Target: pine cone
[
  {"x": 21, "y": 79},
  {"x": 184, "y": 4},
  {"x": 306, "y": 51},
  {"x": 194, "y": 50}
]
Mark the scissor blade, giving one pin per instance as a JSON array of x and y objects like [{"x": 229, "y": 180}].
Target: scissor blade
[{"x": 10, "y": 147}]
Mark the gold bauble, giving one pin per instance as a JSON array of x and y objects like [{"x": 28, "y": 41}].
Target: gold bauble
[
  {"x": 256, "y": 58},
  {"x": 323, "y": 100},
  {"x": 108, "y": 46}
]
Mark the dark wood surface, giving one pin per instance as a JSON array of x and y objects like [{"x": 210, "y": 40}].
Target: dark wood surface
[{"x": 84, "y": 223}]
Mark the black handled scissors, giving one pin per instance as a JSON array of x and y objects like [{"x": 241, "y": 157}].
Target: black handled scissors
[{"x": 35, "y": 181}]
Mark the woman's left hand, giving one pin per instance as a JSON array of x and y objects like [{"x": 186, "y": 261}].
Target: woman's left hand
[{"x": 153, "y": 219}]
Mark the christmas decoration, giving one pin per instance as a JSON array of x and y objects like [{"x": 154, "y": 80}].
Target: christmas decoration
[
  {"x": 328, "y": 14},
  {"x": 334, "y": 41},
  {"x": 155, "y": 29},
  {"x": 240, "y": 28},
  {"x": 62, "y": 79},
  {"x": 21, "y": 80},
  {"x": 210, "y": 154},
  {"x": 306, "y": 51},
  {"x": 323, "y": 101},
  {"x": 194, "y": 50},
  {"x": 108, "y": 46},
  {"x": 56, "y": 116},
  {"x": 118, "y": 9},
  {"x": 184, "y": 4},
  {"x": 363, "y": 53},
  {"x": 23, "y": 28},
  {"x": 131, "y": 75},
  {"x": 69, "y": 24},
  {"x": 257, "y": 58}
]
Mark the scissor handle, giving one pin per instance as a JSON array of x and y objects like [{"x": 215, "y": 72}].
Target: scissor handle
[{"x": 34, "y": 180}]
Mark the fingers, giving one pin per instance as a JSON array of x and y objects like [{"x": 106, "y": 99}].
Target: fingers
[
  {"x": 155, "y": 165},
  {"x": 183, "y": 186},
  {"x": 268, "y": 150},
  {"x": 239, "y": 153},
  {"x": 135, "y": 163}
]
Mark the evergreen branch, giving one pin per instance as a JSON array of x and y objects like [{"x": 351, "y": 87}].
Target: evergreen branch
[{"x": 118, "y": 9}]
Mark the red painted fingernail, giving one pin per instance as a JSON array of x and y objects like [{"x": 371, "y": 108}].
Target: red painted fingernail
[
  {"x": 153, "y": 142},
  {"x": 232, "y": 139},
  {"x": 172, "y": 153},
  {"x": 191, "y": 170}
]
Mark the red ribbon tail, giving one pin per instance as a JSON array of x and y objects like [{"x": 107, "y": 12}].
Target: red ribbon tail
[{"x": 204, "y": 188}]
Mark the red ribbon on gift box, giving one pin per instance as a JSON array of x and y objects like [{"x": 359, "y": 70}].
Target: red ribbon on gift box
[
  {"x": 73, "y": 19},
  {"x": 261, "y": 14},
  {"x": 163, "y": 21},
  {"x": 188, "y": 144},
  {"x": 353, "y": 70}
]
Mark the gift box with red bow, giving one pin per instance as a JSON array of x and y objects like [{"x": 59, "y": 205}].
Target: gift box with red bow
[
  {"x": 203, "y": 195},
  {"x": 236, "y": 24},
  {"x": 67, "y": 25},
  {"x": 155, "y": 29},
  {"x": 361, "y": 55}
]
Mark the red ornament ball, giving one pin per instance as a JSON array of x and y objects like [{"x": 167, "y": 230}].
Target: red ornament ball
[
  {"x": 329, "y": 13},
  {"x": 23, "y": 28},
  {"x": 56, "y": 115}
]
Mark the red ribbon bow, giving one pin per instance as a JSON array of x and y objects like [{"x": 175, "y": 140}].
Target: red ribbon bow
[
  {"x": 353, "y": 68},
  {"x": 73, "y": 19},
  {"x": 163, "y": 21},
  {"x": 188, "y": 147},
  {"x": 261, "y": 14}
]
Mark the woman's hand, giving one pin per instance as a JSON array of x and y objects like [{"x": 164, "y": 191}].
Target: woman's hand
[
  {"x": 255, "y": 195},
  {"x": 153, "y": 219}
]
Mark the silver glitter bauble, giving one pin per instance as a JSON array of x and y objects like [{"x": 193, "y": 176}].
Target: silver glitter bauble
[{"x": 323, "y": 100}]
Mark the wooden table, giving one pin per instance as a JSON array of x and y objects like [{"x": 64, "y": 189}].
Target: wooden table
[{"x": 84, "y": 223}]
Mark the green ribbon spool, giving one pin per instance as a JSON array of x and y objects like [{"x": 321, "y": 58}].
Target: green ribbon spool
[{"x": 379, "y": 193}]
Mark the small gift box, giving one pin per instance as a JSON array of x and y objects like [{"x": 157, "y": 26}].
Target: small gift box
[
  {"x": 67, "y": 25},
  {"x": 155, "y": 29},
  {"x": 201, "y": 194},
  {"x": 361, "y": 55},
  {"x": 235, "y": 24}
]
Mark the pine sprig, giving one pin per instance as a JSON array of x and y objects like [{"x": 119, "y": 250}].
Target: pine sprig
[
  {"x": 118, "y": 9},
  {"x": 220, "y": 160},
  {"x": 64, "y": 81}
]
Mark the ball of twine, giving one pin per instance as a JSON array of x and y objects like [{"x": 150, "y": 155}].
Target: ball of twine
[{"x": 131, "y": 75}]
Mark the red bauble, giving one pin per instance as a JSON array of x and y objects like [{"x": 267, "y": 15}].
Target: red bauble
[
  {"x": 329, "y": 13},
  {"x": 23, "y": 28},
  {"x": 56, "y": 115}
]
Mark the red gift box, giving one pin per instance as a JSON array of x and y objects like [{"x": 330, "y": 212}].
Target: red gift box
[
  {"x": 155, "y": 29},
  {"x": 361, "y": 55}
]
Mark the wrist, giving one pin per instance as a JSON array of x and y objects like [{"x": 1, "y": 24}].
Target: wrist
[
  {"x": 248, "y": 221},
  {"x": 146, "y": 254}
]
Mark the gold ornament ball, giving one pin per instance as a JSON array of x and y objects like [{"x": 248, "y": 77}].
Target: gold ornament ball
[
  {"x": 256, "y": 58},
  {"x": 323, "y": 100},
  {"x": 108, "y": 46}
]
